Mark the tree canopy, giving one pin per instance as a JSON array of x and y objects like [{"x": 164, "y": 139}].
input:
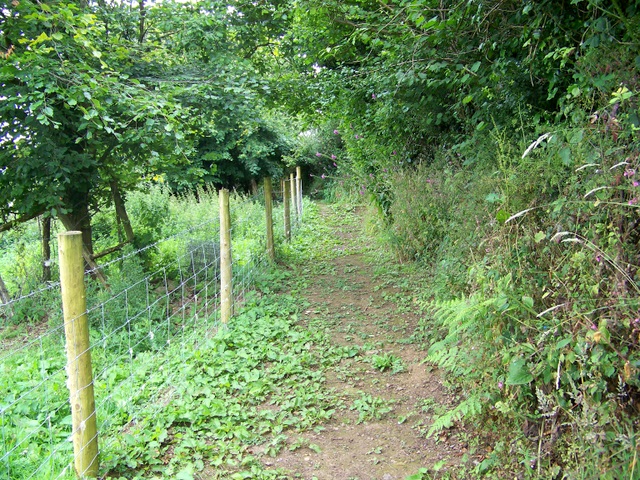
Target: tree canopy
[{"x": 100, "y": 96}]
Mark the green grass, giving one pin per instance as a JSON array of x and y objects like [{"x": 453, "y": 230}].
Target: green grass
[{"x": 160, "y": 373}]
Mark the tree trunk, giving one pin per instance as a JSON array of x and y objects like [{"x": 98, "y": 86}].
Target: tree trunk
[
  {"x": 4, "y": 293},
  {"x": 141, "y": 27},
  {"x": 121, "y": 212},
  {"x": 46, "y": 249},
  {"x": 80, "y": 219}
]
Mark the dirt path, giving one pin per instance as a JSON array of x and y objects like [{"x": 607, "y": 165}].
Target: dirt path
[{"x": 364, "y": 300}]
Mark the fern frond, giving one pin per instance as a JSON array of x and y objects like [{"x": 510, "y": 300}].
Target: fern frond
[{"x": 470, "y": 407}]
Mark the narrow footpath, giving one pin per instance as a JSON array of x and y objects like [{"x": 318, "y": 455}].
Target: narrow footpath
[{"x": 363, "y": 298}]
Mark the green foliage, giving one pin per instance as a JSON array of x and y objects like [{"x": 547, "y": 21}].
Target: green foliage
[
  {"x": 165, "y": 382},
  {"x": 542, "y": 327},
  {"x": 73, "y": 118},
  {"x": 388, "y": 361},
  {"x": 236, "y": 401},
  {"x": 370, "y": 407}
]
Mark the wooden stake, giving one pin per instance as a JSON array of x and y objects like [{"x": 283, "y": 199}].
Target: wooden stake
[
  {"x": 79, "y": 373},
  {"x": 226, "y": 287},
  {"x": 294, "y": 195},
  {"x": 286, "y": 200},
  {"x": 268, "y": 208},
  {"x": 299, "y": 191}
]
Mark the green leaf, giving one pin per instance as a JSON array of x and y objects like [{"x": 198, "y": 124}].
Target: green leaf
[
  {"x": 565, "y": 156},
  {"x": 527, "y": 301},
  {"x": 502, "y": 216},
  {"x": 518, "y": 373},
  {"x": 43, "y": 37},
  {"x": 185, "y": 474},
  {"x": 577, "y": 136},
  {"x": 538, "y": 237},
  {"x": 467, "y": 99},
  {"x": 494, "y": 198}
]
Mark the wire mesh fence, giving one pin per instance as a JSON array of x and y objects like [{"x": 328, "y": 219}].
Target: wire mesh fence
[{"x": 162, "y": 299}]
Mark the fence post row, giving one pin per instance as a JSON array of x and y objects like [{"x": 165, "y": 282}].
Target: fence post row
[
  {"x": 286, "y": 200},
  {"x": 79, "y": 373},
  {"x": 294, "y": 195},
  {"x": 299, "y": 191},
  {"x": 226, "y": 288},
  {"x": 268, "y": 208},
  {"x": 76, "y": 325}
]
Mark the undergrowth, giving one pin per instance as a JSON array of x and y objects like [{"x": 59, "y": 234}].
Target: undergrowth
[
  {"x": 532, "y": 304},
  {"x": 167, "y": 391},
  {"x": 247, "y": 386}
]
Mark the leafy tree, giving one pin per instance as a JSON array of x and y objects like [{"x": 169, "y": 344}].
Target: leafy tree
[
  {"x": 100, "y": 96},
  {"x": 74, "y": 123}
]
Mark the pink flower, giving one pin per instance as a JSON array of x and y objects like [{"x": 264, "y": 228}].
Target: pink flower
[
  {"x": 500, "y": 384},
  {"x": 393, "y": 153},
  {"x": 318, "y": 154},
  {"x": 336, "y": 132},
  {"x": 598, "y": 258},
  {"x": 633, "y": 201},
  {"x": 333, "y": 157},
  {"x": 629, "y": 172},
  {"x": 322, "y": 176},
  {"x": 636, "y": 183},
  {"x": 374, "y": 96},
  {"x": 357, "y": 136},
  {"x": 335, "y": 164}
]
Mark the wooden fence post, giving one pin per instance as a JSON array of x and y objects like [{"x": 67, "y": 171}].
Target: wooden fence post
[
  {"x": 294, "y": 195},
  {"x": 268, "y": 208},
  {"x": 226, "y": 288},
  {"x": 299, "y": 191},
  {"x": 79, "y": 373},
  {"x": 286, "y": 200}
]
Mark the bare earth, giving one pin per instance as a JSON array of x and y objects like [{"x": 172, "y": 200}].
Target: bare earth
[{"x": 365, "y": 306}]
